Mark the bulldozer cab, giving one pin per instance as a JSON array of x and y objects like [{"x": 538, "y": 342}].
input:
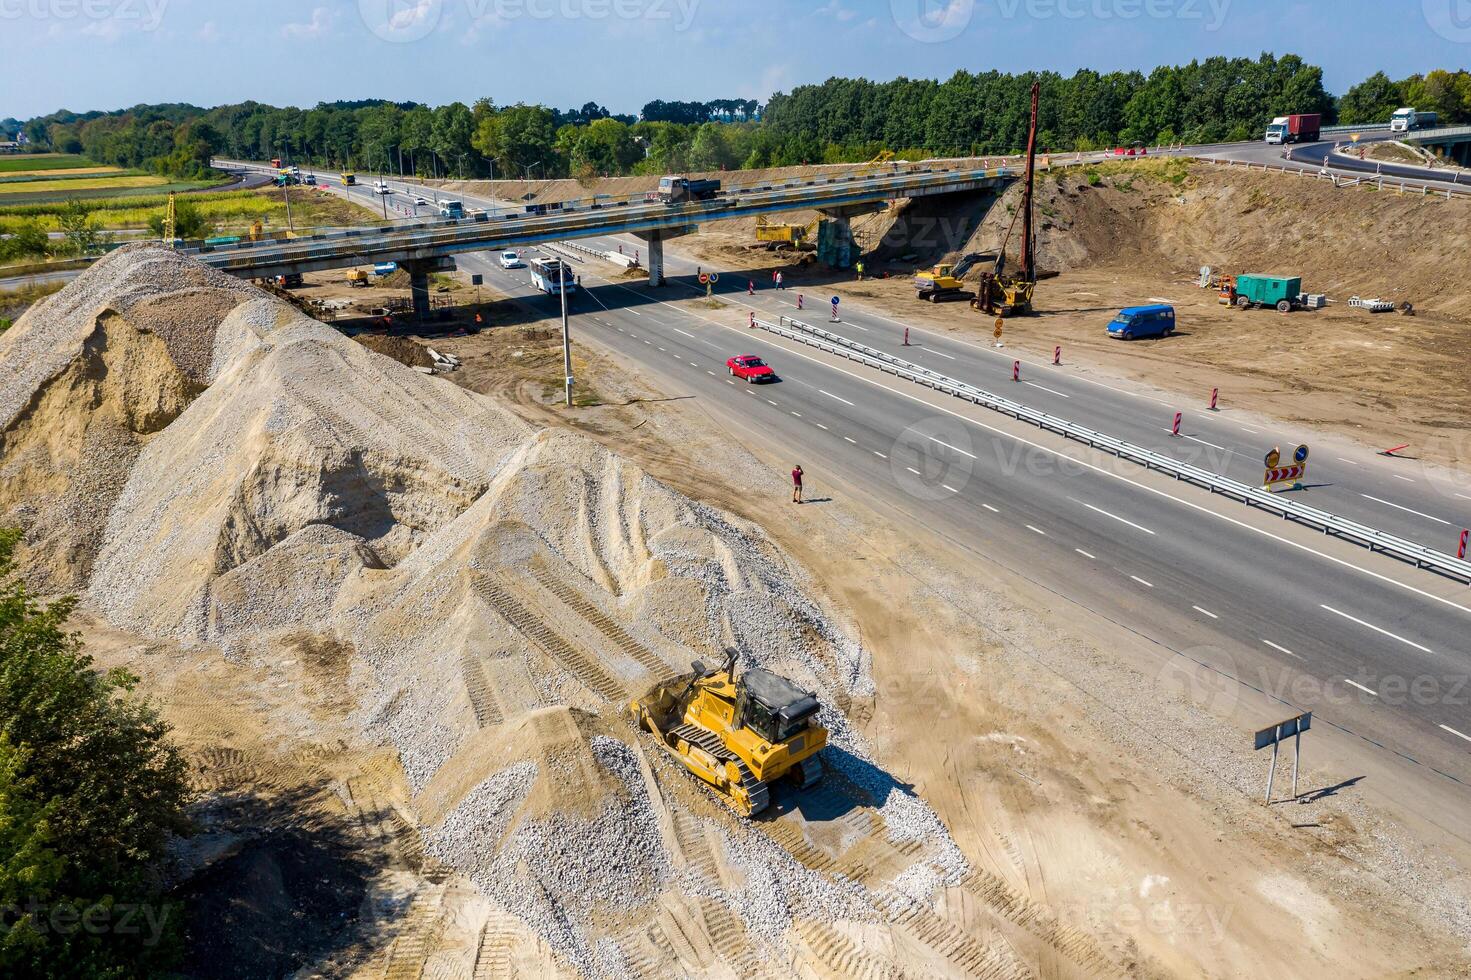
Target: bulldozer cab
[{"x": 772, "y": 707}]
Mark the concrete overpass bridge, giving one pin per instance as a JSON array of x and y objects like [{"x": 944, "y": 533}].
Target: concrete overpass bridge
[{"x": 424, "y": 248}]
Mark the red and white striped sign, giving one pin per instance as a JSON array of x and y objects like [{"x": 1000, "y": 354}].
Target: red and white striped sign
[
  {"x": 752, "y": 323},
  {"x": 1175, "y": 429},
  {"x": 1214, "y": 393},
  {"x": 1016, "y": 370},
  {"x": 1284, "y": 474},
  {"x": 1057, "y": 355},
  {"x": 1461, "y": 551},
  {"x": 799, "y": 301}
]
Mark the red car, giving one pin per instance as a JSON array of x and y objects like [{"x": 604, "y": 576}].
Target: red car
[{"x": 750, "y": 367}]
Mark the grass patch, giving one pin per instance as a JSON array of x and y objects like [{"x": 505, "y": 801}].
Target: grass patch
[
  {"x": 25, "y": 176},
  {"x": 43, "y": 161},
  {"x": 228, "y": 211},
  {"x": 89, "y": 189}
]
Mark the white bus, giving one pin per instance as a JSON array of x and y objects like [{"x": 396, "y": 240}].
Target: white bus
[{"x": 551, "y": 275}]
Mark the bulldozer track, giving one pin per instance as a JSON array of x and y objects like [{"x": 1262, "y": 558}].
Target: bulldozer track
[
  {"x": 644, "y": 956},
  {"x": 966, "y": 954},
  {"x": 693, "y": 844},
  {"x": 728, "y": 938},
  {"x": 862, "y": 862},
  {"x": 836, "y": 956},
  {"x": 1040, "y": 922},
  {"x": 584, "y": 668},
  {"x": 416, "y": 938},
  {"x": 493, "y": 952},
  {"x": 602, "y": 622},
  {"x": 477, "y": 687}
]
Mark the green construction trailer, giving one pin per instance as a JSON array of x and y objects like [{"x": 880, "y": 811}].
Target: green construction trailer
[{"x": 1283, "y": 292}]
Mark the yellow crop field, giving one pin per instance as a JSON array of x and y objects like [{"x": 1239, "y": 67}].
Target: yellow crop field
[
  {"x": 81, "y": 184},
  {"x": 54, "y": 173}
]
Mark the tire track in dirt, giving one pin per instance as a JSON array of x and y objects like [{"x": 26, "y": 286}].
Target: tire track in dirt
[{"x": 497, "y": 594}]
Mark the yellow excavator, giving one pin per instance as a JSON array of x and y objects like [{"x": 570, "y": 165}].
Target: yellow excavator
[
  {"x": 740, "y": 735},
  {"x": 778, "y": 236},
  {"x": 948, "y": 279},
  {"x": 999, "y": 294}
]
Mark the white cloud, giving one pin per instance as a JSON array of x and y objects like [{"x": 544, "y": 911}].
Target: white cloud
[
  {"x": 319, "y": 26},
  {"x": 208, "y": 34}
]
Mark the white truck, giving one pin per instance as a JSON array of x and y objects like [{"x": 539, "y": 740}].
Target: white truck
[{"x": 1408, "y": 119}]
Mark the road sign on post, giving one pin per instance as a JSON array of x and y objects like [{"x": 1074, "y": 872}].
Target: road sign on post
[
  {"x": 997, "y": 332},
  {"x": 1273, "y": 735},
  {"x": 835, "y": 310}
]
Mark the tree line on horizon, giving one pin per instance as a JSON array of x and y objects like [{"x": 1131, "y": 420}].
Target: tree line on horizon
[{"x": 839, "y": 120}]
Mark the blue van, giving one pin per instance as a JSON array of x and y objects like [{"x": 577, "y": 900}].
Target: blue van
[{"x": 1143, "y": 321}]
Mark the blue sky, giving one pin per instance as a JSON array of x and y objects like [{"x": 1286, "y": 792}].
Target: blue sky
[{"x": 104, "y": 54}]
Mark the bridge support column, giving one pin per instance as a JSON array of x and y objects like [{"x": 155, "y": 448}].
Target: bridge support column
[
  {"x": 655, "y": 250},
  {"x": 418, "y": 270},
  {"x": 835, "y": 244}
]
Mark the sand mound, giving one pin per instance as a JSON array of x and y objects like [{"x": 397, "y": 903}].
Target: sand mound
[{"x": 89, "y": 377}]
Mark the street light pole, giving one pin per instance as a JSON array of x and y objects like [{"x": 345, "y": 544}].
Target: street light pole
[{"x": 566, "y": 337}]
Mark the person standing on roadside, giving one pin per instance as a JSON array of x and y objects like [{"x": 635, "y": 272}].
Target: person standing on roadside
[
  {"x": 780, "y": 284},
  {"x": 797, "y": 484}
]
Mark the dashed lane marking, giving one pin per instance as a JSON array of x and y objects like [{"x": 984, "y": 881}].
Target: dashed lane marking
[
  {"x": 1407, "y": 510},
  {"x": 853, "y": 441},
  {"x": 1100, "y": 510},
  {"x": 1147, "y": 585},
  {"x": 879, "y": 454},
  {"x": 1456, "y": 733},
  {"x": 834, "y": 397},
  {"x": 1405, "y": 478},
  {"x": 1031, "y": 527},
  {"x": 1085, "y": 554},
  {"x": 914, "y": 471},
  {"x": 953, "y": 449},
  {"x": 1377, "y": 629},
  {"x": 1361, "y": 687},
  {"x": 1281, "y": 649},
  {"x": 991, "y": 509},
  {"x": 949, "y": 487},
  {"x": 1205, "y": 612},
  {"x": 1045, "y": 388},
  {"x": 689, "y": 335}
]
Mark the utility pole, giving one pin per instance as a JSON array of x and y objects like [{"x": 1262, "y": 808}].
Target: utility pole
[
  {"x": 1029, "y": 247},
  {"x": 566, "y": 337}
]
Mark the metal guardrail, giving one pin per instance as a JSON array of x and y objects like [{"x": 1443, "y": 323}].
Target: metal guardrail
[{"x": 1421, "y": 556}]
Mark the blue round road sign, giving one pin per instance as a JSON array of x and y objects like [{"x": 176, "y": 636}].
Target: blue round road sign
[
  {"x": 1301, "y": 454},
  {"x": 835, "y": 301}
]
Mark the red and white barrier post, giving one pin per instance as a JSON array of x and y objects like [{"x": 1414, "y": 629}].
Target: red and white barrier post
[
  {"x": 1175, "y": 429},
  {"x": 1016, "y": 370},
  {"x": 751, "y": 323},
  {"x": 750, "y": 287},
  {"x": 799, "y": 301},
  {"x": 1057, "y": 355},
  {"x": 1461, "y": 551},
  {"x": 1215, "y": 393},
  {"x": 906, "y": 336}
]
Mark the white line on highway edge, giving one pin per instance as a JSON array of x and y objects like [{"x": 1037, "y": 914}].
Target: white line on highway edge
[
  {"x": 1407, "y": 510},
  {"x": 1456, "y": 733},
  {"x": 1205, "y": 612},
  {"x": 833, "y": 396},
  {"x": 1392, "y": 636},
  {"x": 1100, "y": 510},
  {"x": 1281, "y": 649},
  {"x": 1361, "y": 687},
  {"x": 1147, "y": 585}
]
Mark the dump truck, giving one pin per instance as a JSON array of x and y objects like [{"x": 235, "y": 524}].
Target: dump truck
[
  {"x": 740, "y": 734},
  {"x": 1257, "y": 290},
  {"x": 777, "y": 236},
  {"x": 682, "y": 190},
  {"x": 1303, "y": 127},
  {"x": 357, "y": 277}
]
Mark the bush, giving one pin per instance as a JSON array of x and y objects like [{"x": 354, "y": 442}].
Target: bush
[
  {"x": 91, "y": 792},
  {"x": 189, "y": 222},
  {"x": 28, "y": 241}
]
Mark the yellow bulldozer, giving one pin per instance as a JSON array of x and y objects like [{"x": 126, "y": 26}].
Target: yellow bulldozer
[
  {"x": 740, "y": 735},
  {"x": 947, "y": 279}
]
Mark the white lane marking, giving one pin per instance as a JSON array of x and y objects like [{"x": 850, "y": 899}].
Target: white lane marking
[
  {"x": 954, "y": 449},
  {"x": 635, "y": 312},
  {"x": 1037, "y": 529},
  {"x": 1462, "y": 496},
  {"x": 689, "y": 335},
  {"x": 1405, "y": 478},
  {"x": 798, "y": 414},
  {"x": 649, "y": 342},
  {"x": 693, "y": 364},
  {"x": 750, "y": 392},
  {"x": 1361, "y": 687},
  {"x": 1244, "y": 428},
  {"x": 1200, "y": 508},
  {"x": 770, "y": 402},
  {"x": 820, "y": 426},
  {"x": 940, "y": 353},
  {"x": 833, "y": 396},
  {"x": 1045, "y": 388},
  {"x": 853, "y": 441},
  {"x": 1348, "y": 461},
  {"x": 949, "y": 487},
  {"x": 1085, "y": 554},
  {"x": 1100, "y": 510},
  {"x": 663, "y": 349},
  {"x": 1407, "y": 510},
  {"x": 1204, "y": 443},
  {"x": 914, "y": 471},
  {"x": 1281, "y": 649},
  {"x": 729, "y": 382},
  {"x": 711, "y": 373},
  {"x": 1456, "y": 733},
  {"x": 879, "y": 454},
  {"x": 1147, "y": 585},
  {"x": 1205, "y": 612},
  {"x": 1385, "y": 632}
]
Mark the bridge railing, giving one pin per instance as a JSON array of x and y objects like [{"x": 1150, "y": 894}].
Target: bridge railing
[{"x": 1421, "y": 556}]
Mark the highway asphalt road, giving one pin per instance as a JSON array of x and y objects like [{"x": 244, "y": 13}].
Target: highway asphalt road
[{"x": 1317, "y": 623}]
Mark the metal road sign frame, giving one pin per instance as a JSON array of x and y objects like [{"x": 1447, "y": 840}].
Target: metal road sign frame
[{"x": 1273, "y": 735}]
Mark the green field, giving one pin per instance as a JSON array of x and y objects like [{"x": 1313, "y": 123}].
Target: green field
[
  {"x": 228, "y": 211},
  {"x": 43, "y": 161}
]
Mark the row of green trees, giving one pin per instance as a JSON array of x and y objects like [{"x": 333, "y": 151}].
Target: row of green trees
[{"x": 840, "y": 119}]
